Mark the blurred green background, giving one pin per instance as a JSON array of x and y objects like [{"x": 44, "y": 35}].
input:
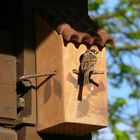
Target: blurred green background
[{"x": 121, "y": 18}]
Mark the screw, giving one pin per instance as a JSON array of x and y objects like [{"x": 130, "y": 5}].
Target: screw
[{"x": 20, "y": 102}]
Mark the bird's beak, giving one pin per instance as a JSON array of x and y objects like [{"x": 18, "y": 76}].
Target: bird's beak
[{"x": 97, "y": 54}]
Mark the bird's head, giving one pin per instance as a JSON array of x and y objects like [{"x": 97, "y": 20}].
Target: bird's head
[{"x": 92, "y": 52}]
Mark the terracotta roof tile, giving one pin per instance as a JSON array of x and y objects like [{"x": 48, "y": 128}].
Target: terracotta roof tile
[
  {"x": 71, "y": 34},
  {"x": 105, "y": 37},
  {"x": 75, "y": 25}
]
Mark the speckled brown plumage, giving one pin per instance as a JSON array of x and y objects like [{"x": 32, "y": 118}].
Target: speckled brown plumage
[{"x": 88, "y": 63}]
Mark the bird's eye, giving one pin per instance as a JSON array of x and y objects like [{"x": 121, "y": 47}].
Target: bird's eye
[{"x": 91, "y": 53}]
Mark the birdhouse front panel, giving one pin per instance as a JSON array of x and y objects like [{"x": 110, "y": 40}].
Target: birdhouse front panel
[
  {"x": 72, "y": 98},
  {"x": 92, "y": 109}
]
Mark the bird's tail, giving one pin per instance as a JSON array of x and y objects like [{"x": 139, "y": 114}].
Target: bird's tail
[{"x": 86, "y": 77}]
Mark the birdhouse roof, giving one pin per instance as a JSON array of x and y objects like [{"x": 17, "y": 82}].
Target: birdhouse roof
[{"x": 75, "y": 25}]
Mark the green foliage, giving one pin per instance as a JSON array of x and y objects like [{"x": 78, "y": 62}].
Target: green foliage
[
  {"x": 120, "y": 135},
  {"x": 115, "y": 109},
  {"x": 137, "y": 135},
  {"x": 134, "y": 94},
  {"x": 122, "y": 21},
  {"x": 94, "y": 4}
]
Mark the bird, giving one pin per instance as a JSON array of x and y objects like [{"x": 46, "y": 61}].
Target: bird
[{"x": 87, "y": 64}]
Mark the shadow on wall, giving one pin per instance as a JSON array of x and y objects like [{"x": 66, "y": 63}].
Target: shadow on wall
[
  {"x": 50, "y": 85},
  {"x": 83, "y": 106}
]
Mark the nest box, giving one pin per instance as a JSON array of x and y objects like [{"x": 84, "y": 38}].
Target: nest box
[{"x": 59, "y": 48}]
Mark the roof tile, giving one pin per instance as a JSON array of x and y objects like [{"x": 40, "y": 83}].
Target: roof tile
[{"x": 75, "y": 25}]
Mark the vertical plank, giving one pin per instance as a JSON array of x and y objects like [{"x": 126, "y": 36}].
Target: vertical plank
[
  {"x": 7, "y": 87},
  {"x": 26, "y": 60},
  {"x": 28, "y": 133},
  {"x": 7, "y": 134}
]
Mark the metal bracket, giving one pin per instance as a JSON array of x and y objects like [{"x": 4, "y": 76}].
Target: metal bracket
[
  {"x": 24, "y": 83},
  {"x": 26, "y": 77}
]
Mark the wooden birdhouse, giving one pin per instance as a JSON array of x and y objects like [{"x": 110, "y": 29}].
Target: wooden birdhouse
[
  {"x": 45, "y": 53},
  {"x": 63, "y": 106}
]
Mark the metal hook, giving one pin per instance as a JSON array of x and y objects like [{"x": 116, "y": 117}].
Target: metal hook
[{"x": 26, "y": 77}]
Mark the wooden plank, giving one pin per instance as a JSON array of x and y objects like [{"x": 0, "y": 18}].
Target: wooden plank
[
  {"x": 28, "y": 133},
  {"x": 8, "y": 69},
  {"x": 8, "y": 87},
  {"x": 26, "y": 62},
  {"x": 7, "y": 101},
  {"x": 7, "y": 134}
]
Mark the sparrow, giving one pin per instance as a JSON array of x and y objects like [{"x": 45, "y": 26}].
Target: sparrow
[{"x": 87, "y": 64}]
